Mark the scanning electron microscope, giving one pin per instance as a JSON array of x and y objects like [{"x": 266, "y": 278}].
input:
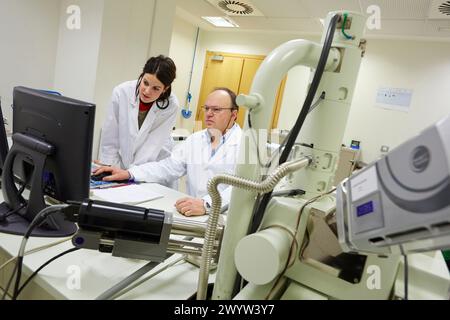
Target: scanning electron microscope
[
  {"x": 357, "y": 240},
  {"x": 347, "y": 243}
]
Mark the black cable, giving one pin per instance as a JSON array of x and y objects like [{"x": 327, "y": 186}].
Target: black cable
[
  {"x": 19, "y": 262},
  {"x": 257, "y": 218},
  {"x": 10, "y": 213},
  {"x": 38, "y": 219},
  {"x": 405, "y": 257},
  {"x": 315, "y": 104},
  {"x": 280, "y": 147},
  {"x": 405, "y": 271},
  {"x": 318, "y": 101},
  {"x": 294, "y": 241},
  {"x": 43, "y": 266},
  {"x": 312, "y": 90},
  {"x": 9, "y": 282},
  {"x": 249, "y": 120},
  {"x": 3, "y": 216},
  {"x": 164, "y": 106}
]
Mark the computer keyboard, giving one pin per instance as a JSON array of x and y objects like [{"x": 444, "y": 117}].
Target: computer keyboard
[{"x": 98, "y": 184}]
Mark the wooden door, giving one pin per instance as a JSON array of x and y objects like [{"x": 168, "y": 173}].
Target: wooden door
[
  {"x": 236, "y": 72},
  {"x": 217, "y": 73},
  {"x": 248, "y": 73}
]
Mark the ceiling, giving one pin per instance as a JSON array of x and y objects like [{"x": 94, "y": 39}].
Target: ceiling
[{"x": 399, "y": 18}]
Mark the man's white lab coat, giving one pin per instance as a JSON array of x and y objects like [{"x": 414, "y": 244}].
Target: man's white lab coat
[
  {"x": 123, "y": 144},
  {"x": 195, "y": 159}
]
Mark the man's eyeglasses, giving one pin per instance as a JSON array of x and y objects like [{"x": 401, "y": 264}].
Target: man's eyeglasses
[{"x": 214, "y": 110}]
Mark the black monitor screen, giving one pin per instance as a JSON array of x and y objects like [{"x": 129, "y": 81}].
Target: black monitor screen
[
  {"x": 68, "y": 125},
  {"x": 55, "y": 128}
]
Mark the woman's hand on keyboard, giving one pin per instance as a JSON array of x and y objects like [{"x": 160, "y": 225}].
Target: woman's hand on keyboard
[{"x": 116, "y": 174}]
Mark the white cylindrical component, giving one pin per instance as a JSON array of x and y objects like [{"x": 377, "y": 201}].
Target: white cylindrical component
[
  {"x": 274, "y": 68},
  {"x": 249, "y": 101},
  {"x": 261, "y": 257}
]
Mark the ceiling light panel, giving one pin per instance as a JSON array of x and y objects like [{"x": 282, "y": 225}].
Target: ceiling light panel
[{"x": 221, "y": 22}]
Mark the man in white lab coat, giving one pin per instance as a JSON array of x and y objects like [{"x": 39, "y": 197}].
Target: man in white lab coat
[{"x": 203, "y": 155}]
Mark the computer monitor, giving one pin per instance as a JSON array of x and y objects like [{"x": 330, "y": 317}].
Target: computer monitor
[
  {"x": 4, "y": 147},
  {"x": 51, "y": 155}
]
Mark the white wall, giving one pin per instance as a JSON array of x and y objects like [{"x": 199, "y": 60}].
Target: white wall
[
  {"x": 421, "y": 66},
  {"x": 77, "y": 52},
  {"x": 294, "y": 96},
  {"x": 28, "y": 33},
  {"x": 162, "y": 27},
  {"x": 182, "y": 52},
  {"x": 127, "y": 41},
  {"x": 124, "y": 43}
]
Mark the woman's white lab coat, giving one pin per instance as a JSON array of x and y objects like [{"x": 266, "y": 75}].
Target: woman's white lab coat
[
  {"x": 123, "y": 144},
  {"x": 193, "y": 158}
]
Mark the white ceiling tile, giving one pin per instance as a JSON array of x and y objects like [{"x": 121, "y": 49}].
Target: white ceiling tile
[
  {"x": 284, "y": 8},
  {"x": 438, "y": 28},
  {"x": 199, "y": 7},
  {"x": 399, "y": 18},
  {"x": 276, "y": 24},
  {"x": 399, "y": 9},
  {"x": 193, "y": 19},
  {"x": 319, "y": 9},
  {"x": 401, "y": 27}
]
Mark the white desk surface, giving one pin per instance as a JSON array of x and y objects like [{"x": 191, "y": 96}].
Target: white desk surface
[{"x": 100, "y": 271}]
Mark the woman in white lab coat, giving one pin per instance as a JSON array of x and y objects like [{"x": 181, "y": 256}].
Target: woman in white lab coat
[{"x": 140, "y": 117}]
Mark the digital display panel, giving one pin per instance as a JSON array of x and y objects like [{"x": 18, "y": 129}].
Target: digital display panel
[{"x": 364, "y": 209}]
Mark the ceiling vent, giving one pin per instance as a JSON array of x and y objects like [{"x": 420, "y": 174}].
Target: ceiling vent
[
  {"x": 444, "y": 8},
  {"x": 236, "y": 8},
  {"x": 440, "y": 10}
]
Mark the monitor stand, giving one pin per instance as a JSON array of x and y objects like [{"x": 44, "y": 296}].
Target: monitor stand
[{"x": 37, "y": 151}]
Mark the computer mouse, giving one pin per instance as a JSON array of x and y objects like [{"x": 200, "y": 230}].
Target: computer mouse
[{"x": 100, "y": 176}]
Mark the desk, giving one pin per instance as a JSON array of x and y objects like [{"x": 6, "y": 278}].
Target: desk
[{"x": 99, "y": 271}]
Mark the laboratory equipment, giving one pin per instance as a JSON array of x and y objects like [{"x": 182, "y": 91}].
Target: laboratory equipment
[
  {"x": 296, "y": 237},
  {"x": 400, "y": 203}
]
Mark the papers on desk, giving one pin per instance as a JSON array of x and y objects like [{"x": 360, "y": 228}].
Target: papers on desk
[{"x": 131, "y": 194}]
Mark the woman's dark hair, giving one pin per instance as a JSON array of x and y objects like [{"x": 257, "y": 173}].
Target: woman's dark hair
[
  {"x": 232, "y": 95},
  {"x": 164, "y": 69}
]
